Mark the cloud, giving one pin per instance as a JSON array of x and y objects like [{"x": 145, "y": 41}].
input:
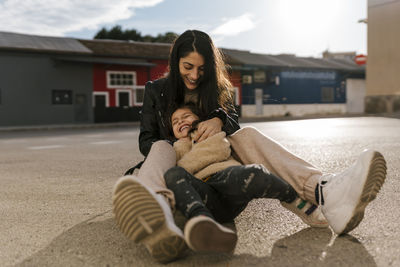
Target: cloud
[
  {"x": 57, "y": 17},
  {"x": 234, "y": 26}
]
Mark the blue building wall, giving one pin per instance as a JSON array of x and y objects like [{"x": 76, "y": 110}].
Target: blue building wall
[{"x": 297, "y": 87}]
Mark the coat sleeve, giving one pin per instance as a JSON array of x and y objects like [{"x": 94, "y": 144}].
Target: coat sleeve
[
  {"x": 231, "y": 124},
  {"x": 214, "y": 149},
  {"x": 229, "y": 120},
  {"x": 149, "y": 128}
]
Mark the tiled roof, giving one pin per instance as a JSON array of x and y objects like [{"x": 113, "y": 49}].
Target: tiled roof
[
  {"x": 141, "y": 50},
  {"x": 107, "y": 60},
  {"x": 247, "y": 58},
  {"x": 16, "y": 41},
  {"x": 117, "y": 48}
]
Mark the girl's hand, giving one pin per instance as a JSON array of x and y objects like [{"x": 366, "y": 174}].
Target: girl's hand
[{"x": 207, "y": 128}]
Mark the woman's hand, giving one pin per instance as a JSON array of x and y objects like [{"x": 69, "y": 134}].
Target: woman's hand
[{"x": 207, "y": 128}]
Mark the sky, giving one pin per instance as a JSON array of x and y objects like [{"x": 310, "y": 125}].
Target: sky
[{"x": 304, "y": 28}]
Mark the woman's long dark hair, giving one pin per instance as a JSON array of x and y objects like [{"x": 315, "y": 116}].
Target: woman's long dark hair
[{"x": 214, "y": 88}]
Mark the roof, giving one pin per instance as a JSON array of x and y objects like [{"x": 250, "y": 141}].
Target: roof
[
  {"x": 247, "y": 58},
  {"x": 16, "y": 41},
  {"x": 108, "y": 60},
  {"x": 123, "y": 52},
  {"x": 118, "y": 48}
]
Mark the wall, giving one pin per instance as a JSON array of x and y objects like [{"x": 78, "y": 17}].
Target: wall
[
  {"x": 383, "y": 63},
  {"x": 100, "y": 78},
  {"x": 296, "y": 110},
  {"x": 159, "y": 70},
  {"x": 296, "y": 92},
  {"x": 26, "y": 84}
]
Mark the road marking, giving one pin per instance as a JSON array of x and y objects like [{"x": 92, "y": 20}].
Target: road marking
[
  {"x": 93, "y": 135},
  {"x": 14, "y": 141},
  {"x": 105, "y": 142},
  {"x": 45, "y": 147}
]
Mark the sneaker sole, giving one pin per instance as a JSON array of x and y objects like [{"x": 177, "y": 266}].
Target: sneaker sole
[
  {"x": 374, "y": 181},
  {"x": 141, "y": 219},
  {"x": 206, "y": 236}
]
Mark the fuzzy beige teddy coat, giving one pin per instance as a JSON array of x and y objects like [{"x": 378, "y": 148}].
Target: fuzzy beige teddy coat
[{"x": 205, "y": 158}]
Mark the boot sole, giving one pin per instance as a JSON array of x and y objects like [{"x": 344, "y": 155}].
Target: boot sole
[
  {"x": 373, "y": 183},
  {"x": 141, "y": 219}
]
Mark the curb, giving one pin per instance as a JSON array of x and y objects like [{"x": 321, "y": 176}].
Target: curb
[{"x": 69, "y": 126}]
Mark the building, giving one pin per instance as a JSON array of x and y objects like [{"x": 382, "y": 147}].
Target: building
[
  {"x": 120, "y": 72},
  {"x": 37, "y": 84},
  {"x": 383, "y": 68},
  {"x": 282, "y": 85},
  {"x": 52, "y": 80}
]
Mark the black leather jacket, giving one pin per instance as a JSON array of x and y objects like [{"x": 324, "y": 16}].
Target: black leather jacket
[{"x": 153, "y": 124}]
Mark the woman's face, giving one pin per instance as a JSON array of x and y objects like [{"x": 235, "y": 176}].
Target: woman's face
[{"x": 191, "y": 69}]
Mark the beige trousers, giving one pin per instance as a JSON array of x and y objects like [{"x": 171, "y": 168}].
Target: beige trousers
[
  {"x": 252, "y": 146},
  {"x": 249, "y": 146}
]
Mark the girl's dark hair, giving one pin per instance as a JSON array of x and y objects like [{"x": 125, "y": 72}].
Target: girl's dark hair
[{"x": 214, "y": 88}]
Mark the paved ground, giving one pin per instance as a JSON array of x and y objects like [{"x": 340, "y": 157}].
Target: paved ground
[{"x": 55, "y": 200}]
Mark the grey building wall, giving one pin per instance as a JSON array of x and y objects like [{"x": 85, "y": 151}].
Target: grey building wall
[{"x": 27, "y": 81}]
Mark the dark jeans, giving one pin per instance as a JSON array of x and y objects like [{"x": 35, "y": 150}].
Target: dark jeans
[{"x": 226, "y": 193}]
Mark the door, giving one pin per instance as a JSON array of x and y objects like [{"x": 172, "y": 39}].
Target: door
[
  {"x": 100, "y": 101},
  {"x": 123, "y": 98},
  {"x": 355, "y": 95},
  {"x": 81, "y": 108}
]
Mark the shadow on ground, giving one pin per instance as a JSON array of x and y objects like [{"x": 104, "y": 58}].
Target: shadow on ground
[{"x": 98, "y": 242}]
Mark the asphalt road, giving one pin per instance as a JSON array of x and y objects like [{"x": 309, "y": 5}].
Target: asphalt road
[{"x": 55, "y": 200}]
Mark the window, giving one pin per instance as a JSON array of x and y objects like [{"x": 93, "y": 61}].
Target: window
[
  {"x": 327, "y": 94},
  {"x": 247, "y": 79},
  {"x": 259, "y": 76},
  {"x": 61, "y": 97},
  {"x": 139, "y": 95},
  {"x": 121, "y": 79}
]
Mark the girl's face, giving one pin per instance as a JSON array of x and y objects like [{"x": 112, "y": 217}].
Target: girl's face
[
  {"x": 191, "y": 69},
  {"x": 182, "y": 120}
]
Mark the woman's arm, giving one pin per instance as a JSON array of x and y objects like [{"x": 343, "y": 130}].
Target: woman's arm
[
  {"x": 149, "y": 128},
  {"x": 219, "y": 120}
]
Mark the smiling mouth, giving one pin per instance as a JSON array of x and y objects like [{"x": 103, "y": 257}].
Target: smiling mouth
[
  {"x": 183, "y": 127},
  {"x": 192, "y": 81}
]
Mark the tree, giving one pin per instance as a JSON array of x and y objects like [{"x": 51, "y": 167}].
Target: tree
[{"x": 116, "y": 33}]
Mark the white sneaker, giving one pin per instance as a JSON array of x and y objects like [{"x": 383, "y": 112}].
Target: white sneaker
[
  {"x": 309, "y": 213},
  {"x": 146, "y": 217},
  {"x": 344, "y": 196},
  {"x": 204, "y": 234}
]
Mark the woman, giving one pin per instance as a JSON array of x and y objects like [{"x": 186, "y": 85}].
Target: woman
[
  {"x": 197, "y": 73},
  {"x": 142, "y": 203}
]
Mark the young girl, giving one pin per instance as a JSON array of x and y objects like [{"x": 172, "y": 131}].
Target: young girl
[{"x": 211, "y": 187}]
